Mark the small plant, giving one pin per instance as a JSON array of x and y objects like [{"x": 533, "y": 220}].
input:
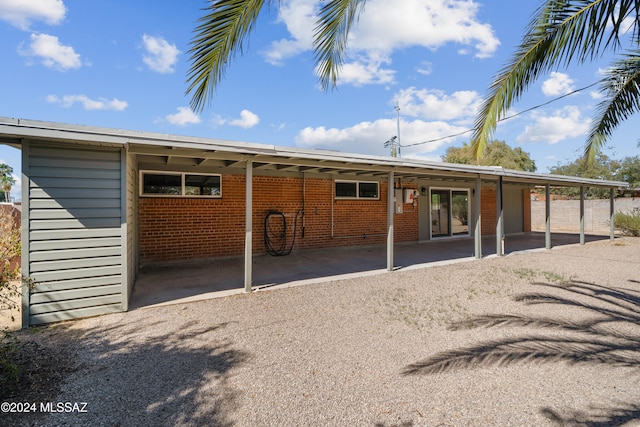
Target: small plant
[{"x": 628, "y": 223}]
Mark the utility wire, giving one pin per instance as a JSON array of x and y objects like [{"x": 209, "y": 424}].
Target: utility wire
[{"x": 506, "y": 118}]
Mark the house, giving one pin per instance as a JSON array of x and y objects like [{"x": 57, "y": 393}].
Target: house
[{"x": 99, "y": 203}]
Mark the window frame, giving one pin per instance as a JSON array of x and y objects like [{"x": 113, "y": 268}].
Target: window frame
[
  {"x": 358, "y": 193},
  {"x": 183, "y": 185}
]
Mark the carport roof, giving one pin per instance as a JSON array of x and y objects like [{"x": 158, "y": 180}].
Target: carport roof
[{"x": 210, "y": 151}]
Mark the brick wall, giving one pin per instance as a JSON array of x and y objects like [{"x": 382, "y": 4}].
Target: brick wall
[
  {"x": 173, "y": 229},
  {"x": 488, "y": 210}
]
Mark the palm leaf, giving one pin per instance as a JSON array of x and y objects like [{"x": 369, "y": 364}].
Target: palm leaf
[
  {"x": 621, "y": 85},
  {"x": 220, "y": 35},
  {"x": 561, "y": 32},
  {"x": 334, "y": 22}
]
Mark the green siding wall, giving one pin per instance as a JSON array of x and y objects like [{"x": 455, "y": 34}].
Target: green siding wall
[{"x": 74, "y": 232}]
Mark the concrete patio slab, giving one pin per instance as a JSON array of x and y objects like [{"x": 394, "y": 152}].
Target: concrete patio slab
[{"x": 221, "y": 277}]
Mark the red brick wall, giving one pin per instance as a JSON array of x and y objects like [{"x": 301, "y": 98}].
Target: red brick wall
[
  {"x": 173, "y": 229},
  {"x": 488, "y": 210}
]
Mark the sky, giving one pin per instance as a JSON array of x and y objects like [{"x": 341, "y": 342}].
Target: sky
[{"x": 123, "y": 64}]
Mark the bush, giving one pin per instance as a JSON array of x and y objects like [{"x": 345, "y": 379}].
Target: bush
[
  {"x": 628, "y": 223},
  {"x": 10, "y": 247}
]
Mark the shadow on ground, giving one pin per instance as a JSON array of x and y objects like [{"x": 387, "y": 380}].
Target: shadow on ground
[
  {"x": 176, "y": 377},
  {"x": 608, "y": 334}
]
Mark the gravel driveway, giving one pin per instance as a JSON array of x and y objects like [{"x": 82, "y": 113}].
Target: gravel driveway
[{"x": 542, "y": 338}]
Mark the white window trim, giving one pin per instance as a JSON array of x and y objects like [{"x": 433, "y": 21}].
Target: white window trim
[
  {"x": 182, "y": 175},
  {"x": 357, "y": 197}
]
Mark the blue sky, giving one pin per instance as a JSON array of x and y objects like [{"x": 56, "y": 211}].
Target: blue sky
[{"x": 123, "y": 64}]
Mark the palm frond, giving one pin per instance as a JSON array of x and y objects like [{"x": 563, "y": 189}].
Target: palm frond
[
  {"x": 334, "y": 22},
  {"x": 220, "y": 35},
  {"x": 561, "y": 32},
  {"x": 621, "y": 86}
]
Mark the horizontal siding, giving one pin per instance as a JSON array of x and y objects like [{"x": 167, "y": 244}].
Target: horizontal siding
[
  {"x": 84, "y": 233},
  {"x": 75, "y": 223},
  {"x": 65, "y": 172},
  {"x": 100, "y": 251},
  {"x": 61, "y": 285},
  {"x": 72, "y": 294},
  {"x": 62, "y": 203},
  {"x": 75, "y": 254},
  {"x": 71, "y": 193},
  {"x": 59, "y": 316},
  {"x": 74, "y": 304}
]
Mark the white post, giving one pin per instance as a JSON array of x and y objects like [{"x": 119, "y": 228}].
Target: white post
[
  {"x": 547, "y": 209},
  {"x": 477, "y": 235},
  {"x": 582, "y": 215},
  {"x": 390, "y": 213},
  {"x": 248, "y": 228},
  {"x": 499, "y": 219}
]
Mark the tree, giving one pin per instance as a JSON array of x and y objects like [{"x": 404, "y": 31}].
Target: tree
[
  {"x": 223, "y": 30},
  {"x": 6, "y": 181},
  {"x": 560, "y": 33},
  {"x": 497, "y": 153},
  {"x": 601, "y": 167},
  {"x": 629, "y": 171}
]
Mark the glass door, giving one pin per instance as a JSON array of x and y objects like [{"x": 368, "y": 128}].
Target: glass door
[
  {"x": 449, "y": 212},
  {"x": 440, "y": 213},
  {"x": 459, "y": 213}
]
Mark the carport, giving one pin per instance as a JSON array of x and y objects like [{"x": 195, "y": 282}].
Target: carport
[{"x": 84, "y": 189}]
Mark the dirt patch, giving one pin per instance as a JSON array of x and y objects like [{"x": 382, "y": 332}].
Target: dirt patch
[{"x": 43, "y": 358}]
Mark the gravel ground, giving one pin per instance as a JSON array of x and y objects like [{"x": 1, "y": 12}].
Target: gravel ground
[{"x": 543, "y": 338}]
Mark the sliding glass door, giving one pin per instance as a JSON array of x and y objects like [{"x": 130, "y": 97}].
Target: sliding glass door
[{"x": 449, "y": 212}]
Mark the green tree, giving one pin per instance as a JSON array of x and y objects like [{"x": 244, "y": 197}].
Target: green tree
[
  {"x": 563, "y": 32},
  {"x": 225, "y": 27},
  {"x": 629, "y": 171},
  {"x": 497, "y": 153},
  {"x": 601, "y": 167},
  {"x": 6, "y": 181}
]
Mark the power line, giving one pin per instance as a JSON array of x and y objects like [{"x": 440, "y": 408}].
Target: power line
[{"x": 506, "y": 118}]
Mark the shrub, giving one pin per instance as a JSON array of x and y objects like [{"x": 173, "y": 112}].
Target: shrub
[
  {"x": 628, "y": 223},
  {"x": 10, "y": 247}
]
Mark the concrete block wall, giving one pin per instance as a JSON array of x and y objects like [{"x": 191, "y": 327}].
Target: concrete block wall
[{"x": 565, "y": 214}]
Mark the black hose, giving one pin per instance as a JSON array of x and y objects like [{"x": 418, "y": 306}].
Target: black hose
[{"x": 275, "y": 238}]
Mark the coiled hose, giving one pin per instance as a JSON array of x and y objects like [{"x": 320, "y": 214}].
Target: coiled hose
[{"x": 275, "y": 233}]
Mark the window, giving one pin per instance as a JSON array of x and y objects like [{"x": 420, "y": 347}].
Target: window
[
  {"x": 180, "y": 184},
  {"x": 357, "y": 190}
]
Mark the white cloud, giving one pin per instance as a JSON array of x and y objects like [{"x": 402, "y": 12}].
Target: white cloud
[
  {"x": 369, "y": 137},
  {"x": 21, "y": 13},
  {"x": 247, "y": 120},
  {"x": 87, "y": 103},
  {"x": 438, "y": 105},
  {"x": 184, "y": 116},
  {"x": 300, "y": 18},
  {"x": 385, "y": 26},
  {"x": 161, "y": 56},
  {"x": 562, "y": 124},
  {"x": 368, "y": 71},
  {"x": 52, "y": 53},
  {"x": 557, "y": 84}
]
